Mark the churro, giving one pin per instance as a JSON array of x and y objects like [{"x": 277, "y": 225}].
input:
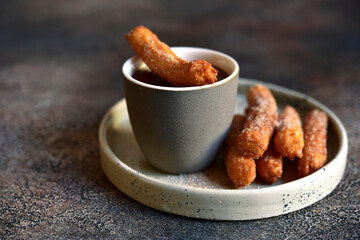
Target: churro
[
  {"x": 163, "y": 61},
  {"x": 289, "y": 140},
  {"x": 314, "y": 151},
  {"x": 258, "y": 128},
  {"x": 240, "y": 169},
  {"x": 270, "y": 165}
]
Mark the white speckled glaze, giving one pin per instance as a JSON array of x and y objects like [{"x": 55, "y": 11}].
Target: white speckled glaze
[{"x": 208, "y": 194}]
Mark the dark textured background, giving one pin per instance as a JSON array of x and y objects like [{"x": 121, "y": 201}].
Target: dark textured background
[{"x": 60, "y": 72}]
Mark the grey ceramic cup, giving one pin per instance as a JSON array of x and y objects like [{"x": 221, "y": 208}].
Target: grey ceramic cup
[{"x": 181, "y": 129}]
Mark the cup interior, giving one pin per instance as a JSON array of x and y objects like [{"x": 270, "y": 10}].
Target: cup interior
[{"x": 215, "y": 58}]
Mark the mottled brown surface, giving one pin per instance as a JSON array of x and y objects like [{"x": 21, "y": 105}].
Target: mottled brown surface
[
  {"x": 261, "y": 116},
  {"x": 159, "y": 57},
  {"x": 60, "y": 72}
]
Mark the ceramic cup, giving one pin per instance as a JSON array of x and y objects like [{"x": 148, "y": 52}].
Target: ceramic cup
[{"x": 180, "y": 129}]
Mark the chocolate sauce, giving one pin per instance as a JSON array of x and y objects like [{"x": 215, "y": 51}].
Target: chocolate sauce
[{"x": 148, "y": 76}]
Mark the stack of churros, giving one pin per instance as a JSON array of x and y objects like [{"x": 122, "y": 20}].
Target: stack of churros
[{"x": 259, "y": 141}]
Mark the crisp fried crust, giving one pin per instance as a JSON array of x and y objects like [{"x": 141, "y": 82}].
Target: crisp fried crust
[
  {"x": 270, "y": 165},
  {"x": 261, "y": 116},
  {"x": 314, "y": 152},
  {"x": 289, "y": 139},
  {"x": 240, "y": 169},
  {"x": 161, "y": 60}
]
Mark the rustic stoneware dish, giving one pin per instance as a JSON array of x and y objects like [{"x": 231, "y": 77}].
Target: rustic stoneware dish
[
  {"x": 180, "y": 129},
  {"x": 208, "y": 193}
]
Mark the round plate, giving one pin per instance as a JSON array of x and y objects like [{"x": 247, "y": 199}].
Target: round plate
[{"x": 209, "y": 194}]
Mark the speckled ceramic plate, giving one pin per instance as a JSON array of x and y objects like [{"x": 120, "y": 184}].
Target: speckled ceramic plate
[{"x": 209, "y": 194}]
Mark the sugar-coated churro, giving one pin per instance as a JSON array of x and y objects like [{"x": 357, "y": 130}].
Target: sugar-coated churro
[
  {"x": 258, "y": 128},
  {"x": 289, "y": 140},
  {"x": 163, "y": 61},
  {"x": 270, "y": 165},
  {"x": 314, "y": 151},
  {"x": 240, "y": 169}
]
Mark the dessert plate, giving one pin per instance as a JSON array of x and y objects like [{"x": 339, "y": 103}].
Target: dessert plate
[{"x": 209, "y": 194}]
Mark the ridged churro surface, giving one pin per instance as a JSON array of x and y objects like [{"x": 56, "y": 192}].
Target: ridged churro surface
[
  {"x": 162, "y": 60},
  {"x": 240, "y": 169},
  {"x": 261, "y": 116},
  {"x": 289, "y": 140},
  {"x": 314, "y": 152},
  {"x": 270, "y": 165}
]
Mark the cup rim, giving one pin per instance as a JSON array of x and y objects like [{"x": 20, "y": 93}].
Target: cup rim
[{"x": 135, "y": 58}]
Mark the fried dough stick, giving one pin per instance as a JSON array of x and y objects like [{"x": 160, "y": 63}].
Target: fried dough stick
[
  {"x": 240, "y": 169},
  {"x": 161, "y": 60},
  {"x": 270, "y": 165},
  {"x": 314, "y": 152},
  {"x": 261, "y": 116},
  {"x": 289, "y": 139}
]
